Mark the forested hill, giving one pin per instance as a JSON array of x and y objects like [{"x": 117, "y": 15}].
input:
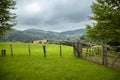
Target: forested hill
[
  {"x": 73, "y": 32},
  {"x": 35, "y": 34}
]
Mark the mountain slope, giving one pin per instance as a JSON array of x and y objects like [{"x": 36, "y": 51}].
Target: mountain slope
[{"x": 35, "y": 34}]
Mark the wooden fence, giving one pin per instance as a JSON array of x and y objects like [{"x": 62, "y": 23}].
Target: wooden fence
[
  {"x": 3, "y": 51},
  {"x": 98, "y": 54}
]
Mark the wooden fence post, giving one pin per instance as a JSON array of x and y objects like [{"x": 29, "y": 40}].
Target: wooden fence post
[
  {"x": 3, "y": 52},
  {"x": 79, "y": 47},
  {"x": 44, "y": 50},
  {"x": 104, "y": 55},
  {"x": 11, "y": 49},
  {"x": 74, "y": 51},
  {"x": 29, "y": 50},
  {"x": 87, "y": 51},
  {"x": 60, "y": 50}
]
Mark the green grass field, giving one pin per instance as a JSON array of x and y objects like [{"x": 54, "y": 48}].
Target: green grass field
[{"x": 53, "y": 67}]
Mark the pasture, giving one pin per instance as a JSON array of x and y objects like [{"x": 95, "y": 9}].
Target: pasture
[{"x": 21, "y": 66}]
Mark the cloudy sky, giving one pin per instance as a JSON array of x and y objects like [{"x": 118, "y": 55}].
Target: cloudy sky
[{"x": 53, "y": 15}]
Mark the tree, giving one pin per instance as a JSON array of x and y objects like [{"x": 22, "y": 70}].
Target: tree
[
  {"x": 106, "y": 13},
  {"x": 7, "y": 18}
]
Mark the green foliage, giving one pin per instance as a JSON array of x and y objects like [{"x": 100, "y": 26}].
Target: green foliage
[
  {"x": 68, "y": 43},
  {"x": 114, "y": 43},
  {"x": 106, "y": 13},
  {"x": 6, "y": 15}
]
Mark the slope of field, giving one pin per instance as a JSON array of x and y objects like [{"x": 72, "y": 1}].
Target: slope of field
[{"x": 53, "y": 67}]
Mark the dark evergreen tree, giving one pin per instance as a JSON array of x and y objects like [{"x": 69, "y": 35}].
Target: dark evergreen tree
[{"x": 7, "y": 17}]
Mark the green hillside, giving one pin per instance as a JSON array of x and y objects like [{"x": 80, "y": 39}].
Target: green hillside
[{"x": 34, "y": 34}]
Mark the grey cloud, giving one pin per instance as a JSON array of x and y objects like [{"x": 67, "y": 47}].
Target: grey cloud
[
  {"x": 65, "y": 12},
  {"x": 30, "y": 21},
  {"x": 56, "y": 14}
]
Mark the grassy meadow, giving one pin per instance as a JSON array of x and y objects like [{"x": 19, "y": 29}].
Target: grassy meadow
[
  {"x": 36, "y": 49},
  {"x": 53, "y": 67}
]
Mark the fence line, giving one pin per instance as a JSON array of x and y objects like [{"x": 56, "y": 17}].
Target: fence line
[
  {"x": 99, "y": 55},
  {"x": 3, "y": 51}
]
